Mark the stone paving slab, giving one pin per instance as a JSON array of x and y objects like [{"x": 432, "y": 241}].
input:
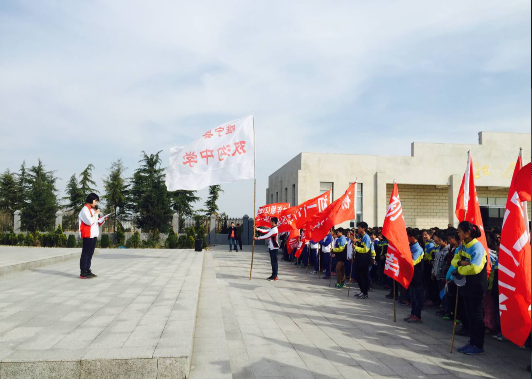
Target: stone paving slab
[
  {"x": 136, "y": 320},
  {"x": 299, "y": 327},
  {"x": 19, "y": 258}
]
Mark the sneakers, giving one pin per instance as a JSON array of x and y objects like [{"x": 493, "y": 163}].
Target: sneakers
[
  {"x": 407, "y": 318},
  {"x": 473, "y": 350},
  {"x": 275, "y": 279},
  {"x": 326, "y": 277},
  {"x": 464, "y": 348},
  {"x": 361, "y": 296},
  {"x": 92, "y": 275},
  {"x": 448, "y": 317},
  {"x": 85, "y": 275},
  {"x": 343, "y": 285},
  {"x": 337, "y": 285},
  {"x": 270, "y": 277},
  {"x": 414, "y": 319},
  {"x": 313, "y": 272}
]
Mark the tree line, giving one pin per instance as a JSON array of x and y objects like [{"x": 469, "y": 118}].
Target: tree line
[{"x": 142, "y": 198}]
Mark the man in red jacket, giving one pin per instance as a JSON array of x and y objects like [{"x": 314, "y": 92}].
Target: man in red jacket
[{"x": 89, "y": 230}]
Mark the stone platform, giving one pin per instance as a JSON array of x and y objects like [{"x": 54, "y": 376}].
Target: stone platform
[{"x": 136, "y": 320}]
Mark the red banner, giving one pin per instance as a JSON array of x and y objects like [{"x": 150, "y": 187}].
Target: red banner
[
  {"x": 468, "y": 209},
  {"x": 398, "y": 265},
  {"x": 342, "y": 209},
  {"x": 266, "y": 212},
  {"x": 293, "y": 241},
  {"x": 296, "y": 217},
  {"x": 514, "y": 267}
]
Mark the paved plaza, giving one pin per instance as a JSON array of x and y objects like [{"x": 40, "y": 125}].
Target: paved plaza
[
  {"x": 299, "y": 327},
  {"x": 176, "y": 313}
]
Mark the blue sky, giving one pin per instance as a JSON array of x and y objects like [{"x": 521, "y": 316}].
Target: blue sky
[{"x": 92, "y": 82}]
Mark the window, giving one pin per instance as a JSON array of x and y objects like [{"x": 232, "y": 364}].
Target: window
[
  {"x": 276, "y": 197},
  {"x": 286, "y": 194},
  {"x": 325, "y": 186},
  {"x": 293, "y": 195},
  {"x": 271, "y": 201}
]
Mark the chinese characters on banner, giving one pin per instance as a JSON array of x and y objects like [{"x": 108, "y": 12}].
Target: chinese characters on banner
[
  {"x": 514, "y": 266},
  {"x": 221, "y": 155},
  {"x": 398, "y": 265},
  {"x": 266, "y": 212},
  {"x": 296, "y": 216}
]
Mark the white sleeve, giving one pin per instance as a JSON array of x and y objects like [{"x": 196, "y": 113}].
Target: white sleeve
[
  {"x": 84, "y": 215},
  {"x": 269, "y": 234}
]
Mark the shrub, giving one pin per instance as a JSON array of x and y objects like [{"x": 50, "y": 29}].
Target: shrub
[
  {"x": 171, "y": 241},
  {"x": 29, "y": 239},
  {"x": 182, "y": 242},
  {"x": 71, "y": 242},
  {"x": 133, "y": 241},
  {"x": 105, "y": 241},
  {"x": 191, "y": 242},
  {"x": 20, "y": 239},
  {"x": 120, "y": 237}
]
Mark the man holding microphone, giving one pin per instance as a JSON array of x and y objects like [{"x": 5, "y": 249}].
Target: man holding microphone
[{"x": 89, "y": 230}]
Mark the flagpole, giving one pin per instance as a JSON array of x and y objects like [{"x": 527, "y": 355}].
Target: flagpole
[
  {"x": 330, "y": 267},
  {"x": 254, "y": 197},
  {"x": 319, "y": 262}
]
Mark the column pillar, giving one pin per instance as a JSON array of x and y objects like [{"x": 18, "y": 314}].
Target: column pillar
[
  {"x": 175, "y": 223},
  {"x": 455, "y": 181},
  {"x": 16, "y": 222},
  {"x": 58, "y": 219}
]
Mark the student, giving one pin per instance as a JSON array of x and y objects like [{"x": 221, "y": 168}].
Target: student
[
  {"x": 326, "y": 244},
  {"x": 232, "y": 237},
  {"x": 431, "y": 287},
  {"x": 333, "y": 243},
  {"x": 439, "y": 266},
  {"x": 374, "y": 250},
  {"x": 89, "y": 230},
  {"x": 340, "y": 253},
  {"x": 363, "y": 260},
  {"x": 416, "y": 285},
  {"x": 314, "y": 252},
  {"x": 273, "y": 247},
  {"x": 470, "y": 260},
  {"x": 349, "y": 255}
]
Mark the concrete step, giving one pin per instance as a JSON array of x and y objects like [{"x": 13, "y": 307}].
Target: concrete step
[
  {"x": 210, "y": 356},
  {"x": 21, "y": 258}
]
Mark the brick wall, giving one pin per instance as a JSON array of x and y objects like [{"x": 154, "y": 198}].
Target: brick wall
[{"x": 423, "y": 206}]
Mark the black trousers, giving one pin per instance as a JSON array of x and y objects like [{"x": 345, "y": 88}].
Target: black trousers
[
  {"x": 89, "y": 244},
  {"x": 363, "y": 261},
  {"x": 273, "y": 259},
  {"x": 474, "y": 307}
]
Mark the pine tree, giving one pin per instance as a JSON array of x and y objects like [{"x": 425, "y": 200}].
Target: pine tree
[
  {"x": 38, "y": 214},
  {"x": 22, "y": 186},
  {"x": 86, "y": 184},
  {"x": 150, "y": 199},
  {"x": 182, "y": 203},
  {"x": 75, "y": 197},
  {"x": 211, "y": 206},
  {"x": 8, "y": 193},
  {"x": 116, "y": 191}
]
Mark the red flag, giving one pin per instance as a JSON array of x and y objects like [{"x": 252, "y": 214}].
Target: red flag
[
  {"x": 522, "y": 183},
  {"x": 266, "y": 212},
  {"x": 293, "y": 240},
  {"x": 467, "y": 207},
  {"x": 514, "y": 267},
  {"x": 296, "y": 216},
  {"x": 301, "y": 244},
  {"x": 340, "y": 210},
  {"x": 399, "y": 265}
]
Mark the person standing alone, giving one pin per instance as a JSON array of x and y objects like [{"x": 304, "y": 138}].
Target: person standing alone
[
  {"x": 233, "y": 237},
  {"x": 89, "y": 230},
  {"x": 273, "y": 247}
]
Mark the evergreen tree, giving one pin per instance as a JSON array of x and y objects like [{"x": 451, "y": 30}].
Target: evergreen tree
[
  {"x": 150, "y": 199},
  {"x": 182, "y": 203},
  {"x": 8, "y": 193},
  {"x": 86, "y": 184},
  {"x": 211, "y": 206},
  {"x": 22, "y": 186},
  {"x": 116, "y": 191},
  {"x": 75, "y": 197},
  {"x": 38, "y": 214}
]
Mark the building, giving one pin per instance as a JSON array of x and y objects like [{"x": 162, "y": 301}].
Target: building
[{"x": 429, "y": 179}]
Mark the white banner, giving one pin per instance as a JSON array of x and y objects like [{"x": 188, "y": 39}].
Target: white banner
[{"x": 221, "y": 155}]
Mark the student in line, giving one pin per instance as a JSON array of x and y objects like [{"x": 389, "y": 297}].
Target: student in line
[
  {"x": 416, "y": 285},
  {"x": 364, "y": 259}
]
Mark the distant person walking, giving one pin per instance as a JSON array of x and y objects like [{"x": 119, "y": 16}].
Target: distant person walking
[
  {"x": 232, "y": 236},
  {"x": 89, "y": 230}
]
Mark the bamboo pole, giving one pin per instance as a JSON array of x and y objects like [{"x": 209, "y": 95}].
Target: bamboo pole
[
  {"x": 394, "y": 305},
  {"x": 454, "y": 323},
  {"x": 254, "y": 197},
  {"x": 319, "y": 262}
]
